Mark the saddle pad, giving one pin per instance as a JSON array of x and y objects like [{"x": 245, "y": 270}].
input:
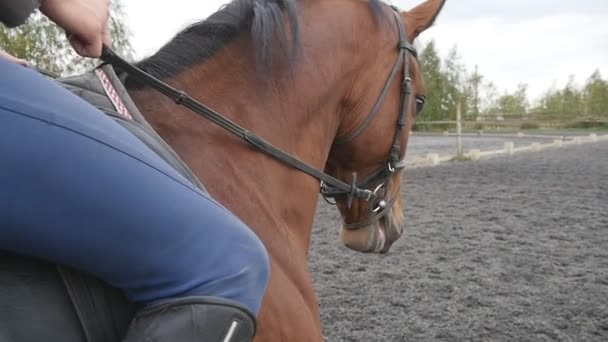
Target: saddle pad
[{"x": 90, "y": 88}]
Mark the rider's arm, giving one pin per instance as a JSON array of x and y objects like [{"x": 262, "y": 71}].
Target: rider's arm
[
  {"x": 85, "y": 21},
  {"x": 15, "y": 12},
  {"x": 13, "y": 58}
]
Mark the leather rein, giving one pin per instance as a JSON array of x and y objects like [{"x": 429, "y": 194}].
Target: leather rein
[{"x": 331, "y": 187}]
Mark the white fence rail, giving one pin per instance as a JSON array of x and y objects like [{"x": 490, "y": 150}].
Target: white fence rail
[{"x": 509, "y": 149}]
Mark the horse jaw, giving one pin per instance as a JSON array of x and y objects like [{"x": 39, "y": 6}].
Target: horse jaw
[{"x": 375, "y": 238}]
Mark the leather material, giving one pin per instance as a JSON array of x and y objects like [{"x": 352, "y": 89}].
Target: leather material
[
  {"x": 193, "y": 319},
  {"x": 331, "y": 187},
  {"x": 103, "y": 311},
  {"x": 34, "y": 304}
]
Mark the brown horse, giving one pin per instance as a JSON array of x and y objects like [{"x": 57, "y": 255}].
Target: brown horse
[
  {"x": 327, "y": 76},
  {"x": 329, "y": 82}
]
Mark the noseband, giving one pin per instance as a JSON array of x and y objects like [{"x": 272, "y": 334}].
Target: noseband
[
  {"x": 331, "y": 187},
  {"x": 380, "y": 205}
]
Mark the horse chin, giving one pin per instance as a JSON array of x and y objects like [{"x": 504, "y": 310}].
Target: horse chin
[{"x": 375, "y": 238}]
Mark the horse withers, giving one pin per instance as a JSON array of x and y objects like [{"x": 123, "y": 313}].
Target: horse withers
[{"x": 335, "y": 85}]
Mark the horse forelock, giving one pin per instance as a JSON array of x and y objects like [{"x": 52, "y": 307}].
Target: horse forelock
[{"x": 268, "y": 21}]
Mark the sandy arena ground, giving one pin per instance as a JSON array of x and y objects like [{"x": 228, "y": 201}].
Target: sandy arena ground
[{"x": 502, "y": 249}]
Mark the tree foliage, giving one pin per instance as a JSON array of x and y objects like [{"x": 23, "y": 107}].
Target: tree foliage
[
  {"x": 591, "y": 99},
  {"x": 511, "y": 104},
  {"x": 449, "y": 82},
  {"x": 456, "y": 89},
  {"x": 430, "y": 63},
  {"x": 44, "y": 44},
  {"x": 475, "y": 82},
  {"x": 595, "y": 94}
]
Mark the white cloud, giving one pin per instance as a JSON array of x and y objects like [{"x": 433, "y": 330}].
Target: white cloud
[
  {"x": 536, "y": 51},
  {"x": 153, "y": 23}
]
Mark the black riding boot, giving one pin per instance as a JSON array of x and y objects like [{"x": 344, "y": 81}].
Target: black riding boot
[{"x": 192, "y": 319}]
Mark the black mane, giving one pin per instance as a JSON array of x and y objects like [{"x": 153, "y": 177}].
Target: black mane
[{"x": 262, "y": 18}]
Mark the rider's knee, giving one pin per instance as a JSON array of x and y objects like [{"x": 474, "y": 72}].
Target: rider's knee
[
  {"x": 252, "y": 270},
  {"x": 245, "y": 270}
]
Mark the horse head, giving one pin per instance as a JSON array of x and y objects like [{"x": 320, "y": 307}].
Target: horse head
[{"x": 377, "y": 115}]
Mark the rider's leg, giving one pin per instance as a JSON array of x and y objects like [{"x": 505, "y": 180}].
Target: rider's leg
[{"x": 79, "y": 190}]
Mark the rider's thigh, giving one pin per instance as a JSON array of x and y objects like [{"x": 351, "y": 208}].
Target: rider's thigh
[{"x": 80, "y": 190}]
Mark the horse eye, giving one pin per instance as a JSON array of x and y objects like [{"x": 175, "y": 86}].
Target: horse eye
[{"x": 420, "y": 100}]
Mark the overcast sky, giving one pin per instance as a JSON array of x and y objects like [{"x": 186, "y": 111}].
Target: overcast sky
[{"x": 538, "y": 42}]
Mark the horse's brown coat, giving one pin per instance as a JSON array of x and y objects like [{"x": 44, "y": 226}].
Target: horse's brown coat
[{"x": 346, "y": 57}]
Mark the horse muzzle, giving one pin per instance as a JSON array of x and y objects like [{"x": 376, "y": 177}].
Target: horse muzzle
[{"x": 377, "y": 237}]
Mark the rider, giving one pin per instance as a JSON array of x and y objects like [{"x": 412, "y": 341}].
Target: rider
[{"x": 79, "y": 190}]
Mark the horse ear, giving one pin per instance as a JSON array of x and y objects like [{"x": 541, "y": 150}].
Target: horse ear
[{"x": 422, "y": 17}]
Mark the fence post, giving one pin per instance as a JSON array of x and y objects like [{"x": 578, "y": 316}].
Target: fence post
[
  {"x": 459, "y": 129},
  {"x": 509, "y": 148},
  {"x": 433, "y": 158},
  {"x": 475, "y": 154}
]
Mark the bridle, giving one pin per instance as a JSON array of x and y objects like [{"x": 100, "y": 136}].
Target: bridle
[
  {"x": 331, "y": 187},
  {"x": 379, "y": 205}
]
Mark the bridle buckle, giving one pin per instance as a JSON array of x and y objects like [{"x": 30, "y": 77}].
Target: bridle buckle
[{"x": 381, "y": 206}]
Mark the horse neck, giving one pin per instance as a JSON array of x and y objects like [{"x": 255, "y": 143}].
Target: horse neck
[{"x": 296, "y": 112}]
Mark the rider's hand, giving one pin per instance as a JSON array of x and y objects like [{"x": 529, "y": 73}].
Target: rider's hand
[
  {"x": 85, "y": 23},
  {"x": 14, "y": 59}
]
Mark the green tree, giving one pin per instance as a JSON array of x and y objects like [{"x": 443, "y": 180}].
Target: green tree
[
  {"x": 550, "y": 103},
  {"x": 596, "y": 95},
  {"x": 44, "y": 44},
  {"x": 455, "y": 89},
  {"x": 435, "y": 82},
  {"x": 488, "y": 106},
  {"x": 475, "y": 81},
  {"x": 515, "y": 104},
  {"x": 572, "y": 99}
]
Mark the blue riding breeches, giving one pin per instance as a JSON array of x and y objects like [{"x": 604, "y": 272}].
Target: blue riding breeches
[{"x": 79, "y": 190}]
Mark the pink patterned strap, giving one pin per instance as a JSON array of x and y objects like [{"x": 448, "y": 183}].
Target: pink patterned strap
[{"x": 112, "y": 95}]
